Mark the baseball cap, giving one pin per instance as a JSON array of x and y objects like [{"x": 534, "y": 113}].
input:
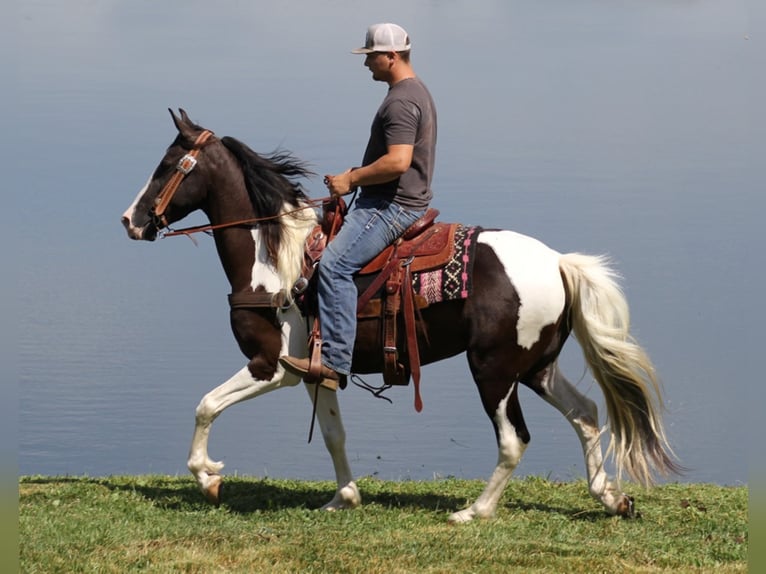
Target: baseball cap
[{"x": 384, "y": 38}]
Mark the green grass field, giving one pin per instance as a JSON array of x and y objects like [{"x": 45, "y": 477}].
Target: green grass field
[{"x": 162, "y": 524}]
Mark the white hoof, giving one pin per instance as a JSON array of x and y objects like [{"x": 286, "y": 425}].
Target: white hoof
[
  {"x": 345, "y": 498},
  {"x": 461, "y": 517}
]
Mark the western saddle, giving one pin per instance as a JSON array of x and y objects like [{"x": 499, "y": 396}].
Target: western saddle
[{"x": 390, "y": 295}]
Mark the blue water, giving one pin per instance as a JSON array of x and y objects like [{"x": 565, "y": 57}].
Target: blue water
[{"x": 628, "y": 129}]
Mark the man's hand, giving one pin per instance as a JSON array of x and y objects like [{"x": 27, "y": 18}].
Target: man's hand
[
  {"x": 386, "y": 168},
  {"x": 339, "y": 184}
]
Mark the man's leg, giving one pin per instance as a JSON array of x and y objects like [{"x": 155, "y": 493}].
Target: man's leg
[{"x": 368, "y": 228}]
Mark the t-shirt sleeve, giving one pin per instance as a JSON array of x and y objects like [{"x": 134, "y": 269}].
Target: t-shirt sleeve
[{"x": 400, "y": 122}]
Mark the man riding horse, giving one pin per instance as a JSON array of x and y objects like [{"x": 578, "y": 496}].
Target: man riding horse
[{"x": 395, "y": 180}]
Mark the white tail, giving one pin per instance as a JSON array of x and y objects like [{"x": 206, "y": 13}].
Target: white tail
[{"x": 601, "y": 323}]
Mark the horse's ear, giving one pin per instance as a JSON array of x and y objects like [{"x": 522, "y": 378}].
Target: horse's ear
[
  {"x": 183, "y": 124},
  {"x": 176, "y": 119}
]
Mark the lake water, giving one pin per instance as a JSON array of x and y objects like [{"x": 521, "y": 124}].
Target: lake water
[{"x": 620, "y": 128}]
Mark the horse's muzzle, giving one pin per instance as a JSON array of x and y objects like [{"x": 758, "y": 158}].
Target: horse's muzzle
[{"x": 146, "y": 233}]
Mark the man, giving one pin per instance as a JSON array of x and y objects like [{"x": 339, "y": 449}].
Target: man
[{"x": 395, "y": 180}]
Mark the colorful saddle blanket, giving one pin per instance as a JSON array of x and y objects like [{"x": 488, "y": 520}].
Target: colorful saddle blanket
[{"x": 453, "y": 280}]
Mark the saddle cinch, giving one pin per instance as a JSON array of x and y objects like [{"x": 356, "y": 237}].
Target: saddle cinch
[{"x": 390, "y": 295}]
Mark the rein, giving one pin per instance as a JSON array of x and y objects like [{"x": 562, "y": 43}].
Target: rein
[
  {"x": 188, "y": 231},
  {"x": 185, "y": 165}
]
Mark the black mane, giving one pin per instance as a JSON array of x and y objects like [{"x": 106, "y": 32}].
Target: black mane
[{"x": 271, "y": 182}]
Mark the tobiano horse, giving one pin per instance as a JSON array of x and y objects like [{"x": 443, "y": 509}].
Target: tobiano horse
[{"x": 525, "y": 300}]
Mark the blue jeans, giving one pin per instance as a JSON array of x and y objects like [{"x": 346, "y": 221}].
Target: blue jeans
[{"x": 369, "y": 227}]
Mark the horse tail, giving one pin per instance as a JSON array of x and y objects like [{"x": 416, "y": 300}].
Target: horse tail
[{"x": 600, "y": 320}]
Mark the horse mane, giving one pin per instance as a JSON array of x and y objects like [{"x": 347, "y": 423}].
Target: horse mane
[{"x": 272, "y": 185}]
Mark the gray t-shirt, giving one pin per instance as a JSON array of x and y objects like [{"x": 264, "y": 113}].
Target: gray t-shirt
[{"x": 406, "y": 116}]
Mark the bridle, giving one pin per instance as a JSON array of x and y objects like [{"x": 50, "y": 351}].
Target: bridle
[{"x": 183, "y": 168}]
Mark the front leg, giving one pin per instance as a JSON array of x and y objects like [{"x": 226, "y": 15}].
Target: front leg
[
  {"x": 334, "y": 434},
  {"x": 242, "y": 386}
]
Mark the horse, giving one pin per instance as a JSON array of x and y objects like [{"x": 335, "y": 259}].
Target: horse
[{"x": 525, "y": 301}]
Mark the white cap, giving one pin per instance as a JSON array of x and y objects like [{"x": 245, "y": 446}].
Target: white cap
[{"x": 384, "y": 38}]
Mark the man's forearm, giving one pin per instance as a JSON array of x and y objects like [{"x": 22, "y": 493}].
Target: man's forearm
[{"x": 386, "y": 168}]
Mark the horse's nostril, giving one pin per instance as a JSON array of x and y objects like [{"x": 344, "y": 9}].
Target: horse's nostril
[{"x": 125, "y": 221}]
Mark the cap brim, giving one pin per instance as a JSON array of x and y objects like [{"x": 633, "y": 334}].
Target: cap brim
[{"x": 362, "y": 51}]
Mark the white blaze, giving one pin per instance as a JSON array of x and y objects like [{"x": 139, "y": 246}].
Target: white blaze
[{"x": 129, "y": 212}]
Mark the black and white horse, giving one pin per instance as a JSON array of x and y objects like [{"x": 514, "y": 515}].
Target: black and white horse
[{"x": 525, "y": 299}]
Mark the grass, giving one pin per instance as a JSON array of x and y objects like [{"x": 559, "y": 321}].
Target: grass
[{"x": 161, "y": 524}]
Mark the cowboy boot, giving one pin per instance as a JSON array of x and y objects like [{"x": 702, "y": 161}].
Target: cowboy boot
[{"x": 300, "y": 367}]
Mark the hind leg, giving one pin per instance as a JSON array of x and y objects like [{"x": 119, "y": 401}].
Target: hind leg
[
  {"x": 512, "y": 440},
  {"x": 582, "y": 414}
]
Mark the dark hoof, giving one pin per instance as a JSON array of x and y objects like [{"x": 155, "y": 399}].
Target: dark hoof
[
  {"x": 627, "y": 507},
  {"x": 214, "y": 492}
]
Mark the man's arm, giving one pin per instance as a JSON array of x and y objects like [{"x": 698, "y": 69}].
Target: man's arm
[{"x": 388, "y": 167}]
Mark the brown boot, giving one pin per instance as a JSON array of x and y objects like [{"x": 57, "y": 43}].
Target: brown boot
[{"x": 300, "y": 367}]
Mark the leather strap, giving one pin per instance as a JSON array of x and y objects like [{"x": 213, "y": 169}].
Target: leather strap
[
  {"x": 393, "y": 372},
  {"x": 183, "y": 168},
  {"x": 255, "y": 299},
  {"x": 396, "y": 259},
  {"x": 412, "y": 337},
  {"x": 379, "y": 281},
  {"x": 315, "y": 354}
]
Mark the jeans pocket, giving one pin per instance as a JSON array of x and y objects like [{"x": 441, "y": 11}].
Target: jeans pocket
[
  {"x": 404, "y": 219},
  {"x": 399, "y": 226},
  {"x": 374, "y": 217}
]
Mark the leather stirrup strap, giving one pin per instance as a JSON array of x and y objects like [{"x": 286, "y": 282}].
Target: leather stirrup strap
[
  {"x": 378, "y": 282},
  {"x": 315, "y": 354},
  {"x": 411, "y": 334},
  {"x": 315, "y": 368},
  {"x": 393, "y": 372}
]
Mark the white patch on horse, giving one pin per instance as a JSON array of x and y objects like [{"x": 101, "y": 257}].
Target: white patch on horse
[
  {"x": 533, "y": 269},
  {"x": 510, "y": 449},
  {"x": 263, "y": 274}
]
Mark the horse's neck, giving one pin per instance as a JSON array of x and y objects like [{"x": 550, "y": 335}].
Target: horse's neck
[
  {"x": 243, "y": 251},
  {"x": 246, "y": 260},
  {"x": 237, "y": 251}
]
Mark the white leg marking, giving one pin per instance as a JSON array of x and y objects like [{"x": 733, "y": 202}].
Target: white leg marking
[
  {"x": 294, "y": 344},
  {"x": 242, "y": 386},
  {"x": 510, "y": 450},
  {"x": 582, "y": 414},
  {"x": 334, "y": 434},
  {"x": 533, "y": 268}
]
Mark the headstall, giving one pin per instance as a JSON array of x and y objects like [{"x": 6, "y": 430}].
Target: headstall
[{"x": 184, "y": 167}]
